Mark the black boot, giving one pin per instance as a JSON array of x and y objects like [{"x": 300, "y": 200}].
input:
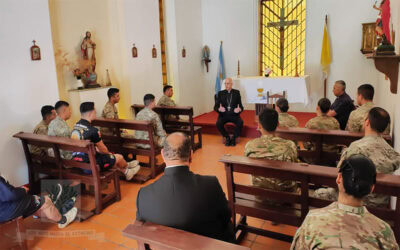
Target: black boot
[
  {"x": 233, "y": 141},
  {"x": 227, "y": 141}
]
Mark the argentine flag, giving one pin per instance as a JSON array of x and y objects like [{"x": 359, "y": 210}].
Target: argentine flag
[{"x": 220, "y": 71}]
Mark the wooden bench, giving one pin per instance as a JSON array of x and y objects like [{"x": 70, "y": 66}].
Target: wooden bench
[
  {"x": 60, "y": 168},
  {"x": 153, "y": 236},
  {"x": 242, "y": 200},
  {"x": 13, "y": 234},
  {"x": 320, "y": 137},
  {"x": 171, "y": 126},
  {"x": 124, "y": 145}
]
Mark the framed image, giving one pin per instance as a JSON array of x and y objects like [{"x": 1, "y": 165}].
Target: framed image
[
  {"x": 369, "y": 40},
  {"x": 35, "y": 52}
]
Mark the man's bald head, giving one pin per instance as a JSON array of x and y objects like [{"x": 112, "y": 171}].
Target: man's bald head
[
  {"x": 177, "y": 147},
  {"x": 228, "y": 84}
]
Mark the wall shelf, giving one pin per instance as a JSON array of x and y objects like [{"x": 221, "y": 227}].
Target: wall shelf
[{"x": 388, "y": 65}]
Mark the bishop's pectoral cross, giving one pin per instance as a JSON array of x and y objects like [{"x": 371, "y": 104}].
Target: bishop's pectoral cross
[{"x": 281, "y": 26}]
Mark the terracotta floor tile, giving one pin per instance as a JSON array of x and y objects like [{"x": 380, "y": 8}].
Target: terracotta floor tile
[
  {"x": 112, "y": 221},
  {"x": 246, "y": 243},
  {"x": 273, "y": 245},
  {"x": 130, "y": 243},
  {"x": 123, "y": 212}
]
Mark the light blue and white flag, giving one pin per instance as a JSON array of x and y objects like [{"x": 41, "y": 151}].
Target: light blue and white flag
[{"x": 220, "y": 71}]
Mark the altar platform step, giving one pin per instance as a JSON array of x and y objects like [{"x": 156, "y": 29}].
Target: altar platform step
[{"x": 207, "y": 122}]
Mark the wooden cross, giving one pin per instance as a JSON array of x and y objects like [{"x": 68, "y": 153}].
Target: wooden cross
[{"x": 281, "y": 25}]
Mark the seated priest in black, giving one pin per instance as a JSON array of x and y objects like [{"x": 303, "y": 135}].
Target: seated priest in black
[
  {"x": 228, "y": 104},
  {"x": 184, "y": 200}
]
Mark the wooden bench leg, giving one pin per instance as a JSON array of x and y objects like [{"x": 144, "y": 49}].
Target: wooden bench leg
[
  {"x": 98, "y": 198},
  {"x": 117, "y": 188},
  {"x": 153, "y": 166},
  {"x": 200, "y": 139}
]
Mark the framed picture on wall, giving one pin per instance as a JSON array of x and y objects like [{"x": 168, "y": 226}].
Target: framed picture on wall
[
  {"x": 369, "y": 40},
  {"x": 35, "y": 52}
]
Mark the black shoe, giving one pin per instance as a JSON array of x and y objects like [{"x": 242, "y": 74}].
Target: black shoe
[
  {"x": 233, "y": 141},
  {"x": 227, "y": 141}
]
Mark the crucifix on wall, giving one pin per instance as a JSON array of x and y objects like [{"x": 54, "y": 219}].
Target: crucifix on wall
[{"x": 282, "y": 25}]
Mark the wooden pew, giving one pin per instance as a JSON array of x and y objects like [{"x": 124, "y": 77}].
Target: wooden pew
[
  {"x": 57, "y": 167},
  {"x": 319, "y": 137},
  {"x": 154, "y": 236},
  {"x": 171, "y": 126},
  {"x": 13, "y": 234},
  {"x": 124, "y": 145},
  {"x": 242, "y": 200}
]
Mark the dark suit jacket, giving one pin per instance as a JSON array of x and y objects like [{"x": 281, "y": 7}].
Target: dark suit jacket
[
  {"x": 187, "y": 201},
  {"x": 223, "y": 97}
]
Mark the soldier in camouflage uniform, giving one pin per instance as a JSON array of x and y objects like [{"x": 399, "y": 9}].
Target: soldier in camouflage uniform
[
  {"x": 48, "y": 114},
  {"x": 167, "y": 101},
  {"x": 373, "y": 146},
  {"x": 322, "y": 121},
  {"x": 271, "y": 147},
  {"x": 110, "y": 110},
  {"x": 285, "y": 119},
  {"x": 365, "y": 95},
  {"x": 59, "y": 127},
  {"x": 147, "y": 114},
  {"x": 347, "y": 224}
]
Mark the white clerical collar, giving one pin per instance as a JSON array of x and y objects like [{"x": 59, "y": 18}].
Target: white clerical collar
[{"x": 173, "y": 166}]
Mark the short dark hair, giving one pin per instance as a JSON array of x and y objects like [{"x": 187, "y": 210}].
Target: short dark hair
[
  {"x": 379, "y": 119},
  {"x": 167, "y": 87},
  {"x": 269, "y": 119},
  {"x": 283, "y": 104},
  {"x": 359, "y": 174},
  {"x": 60, "y": 104},
  {"x": 366, "y": 91},
  {"x": 46, "y": 111},
  {"x": 111, "y": 92},
  {"x": 343, "y": 83},
  {"x": 148, "y": 98},
  {"x": 182, "y": 152},
  {"x": 324, "y": 105},
  {"x": 86, "y": 107}
]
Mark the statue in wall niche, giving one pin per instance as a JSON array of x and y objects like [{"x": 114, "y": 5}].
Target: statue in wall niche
[
  {"x": 88, "y": 47},
  {"x": 88, "y": 74},
  {"x": 383, "y": 28}
]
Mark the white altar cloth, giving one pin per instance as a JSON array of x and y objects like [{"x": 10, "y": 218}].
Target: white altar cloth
[{"x": 297, "y": 90}]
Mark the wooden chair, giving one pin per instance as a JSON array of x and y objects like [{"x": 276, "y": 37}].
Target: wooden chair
[
  {"x": 171, "y": 126},
  {"x": 271, "y": 100},
  {"x": 242, "y": 198},
  {"x": 13, "y": 234},
  {"x": 60, "y": 168},
  {"x": 153, "y": 236},
  {"x": 127, "y": 145}
]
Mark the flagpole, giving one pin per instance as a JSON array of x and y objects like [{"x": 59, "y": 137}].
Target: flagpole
[{"x": 325, "y": 77}]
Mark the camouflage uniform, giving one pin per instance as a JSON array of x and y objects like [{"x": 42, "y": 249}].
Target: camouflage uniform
[
  {"x": 326, "y": 123},
  {"x": 339, "y": 226},
  {"x": 385, "y": 158},
  {"x": 58, "y": 127},
  {"x": 109, "y": 112},
  {"x": 357, "y": 118},
  {"x": 40, "y": 129},
  {"x": 159, "y": 135},
  {"x": 286, "y": 120},
  {"x": 166, "y": 101},
  {"x": 272, "y": 148}
]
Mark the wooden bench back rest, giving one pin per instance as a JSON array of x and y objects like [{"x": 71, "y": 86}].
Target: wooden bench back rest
[
  {"x": 154, "y": 236},
  {"x": 118, "y": 124},
  {"x": 304, "y": 174},
  {"x": 59, "y": 143},
  {"x": 163, "y": 111}
]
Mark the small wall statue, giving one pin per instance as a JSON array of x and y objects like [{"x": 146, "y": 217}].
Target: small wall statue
[
  {"x": 383, "y": 28},
  {"x": 88, "y": 74}
]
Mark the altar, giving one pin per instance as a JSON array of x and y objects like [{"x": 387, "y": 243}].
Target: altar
[{"x": 254, "y": 89}]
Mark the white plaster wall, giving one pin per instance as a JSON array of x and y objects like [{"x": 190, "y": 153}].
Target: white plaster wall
[
  {"x": 26, "y": 85},
  {"x": 235, "y": 22},
  {"x": 142, "y": 27},
  {"x": 184, "y": 29}
]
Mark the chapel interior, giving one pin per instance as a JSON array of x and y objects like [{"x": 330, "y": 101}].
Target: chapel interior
[{"x": 143, "y": 45}]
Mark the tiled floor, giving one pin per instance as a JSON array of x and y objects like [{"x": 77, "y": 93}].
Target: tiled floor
[{"x": 104, "y": 231}]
